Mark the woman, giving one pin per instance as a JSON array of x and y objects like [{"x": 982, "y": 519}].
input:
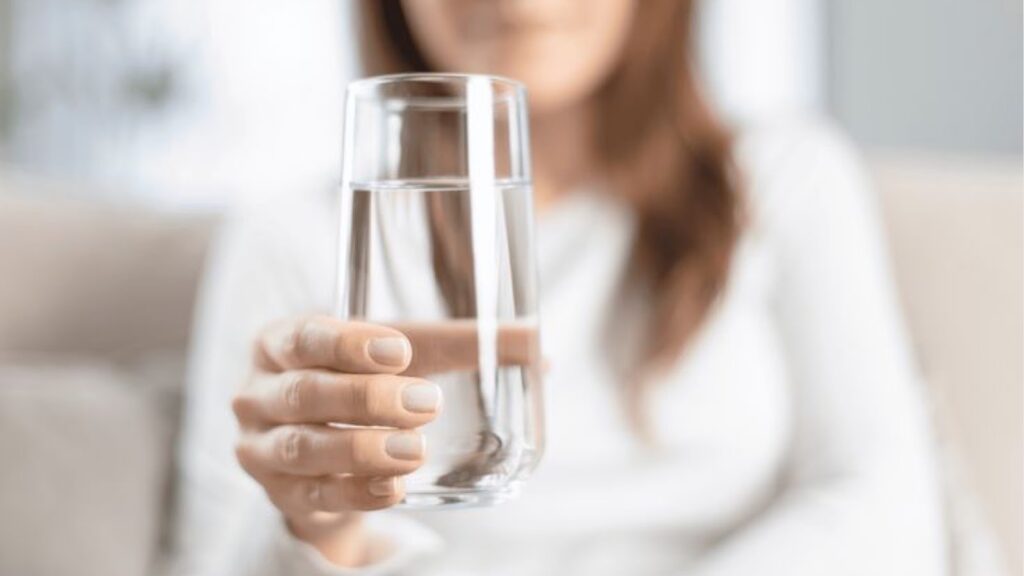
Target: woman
[{"x": 729, "y": 388}]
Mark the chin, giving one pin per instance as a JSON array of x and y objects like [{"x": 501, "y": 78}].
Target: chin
[{"x": 547, "y": 95}]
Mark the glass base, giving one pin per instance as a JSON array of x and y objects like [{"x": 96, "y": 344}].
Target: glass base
[{"x": 461, "y": 498}]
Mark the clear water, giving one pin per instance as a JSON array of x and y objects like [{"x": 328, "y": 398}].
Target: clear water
[{"x": 453, "y": 267}]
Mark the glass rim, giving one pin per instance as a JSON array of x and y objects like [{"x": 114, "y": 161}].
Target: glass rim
[{"x": 363, "y": 87}]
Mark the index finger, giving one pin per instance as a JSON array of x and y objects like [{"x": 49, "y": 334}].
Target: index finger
[{"x": 333, "y": 344}]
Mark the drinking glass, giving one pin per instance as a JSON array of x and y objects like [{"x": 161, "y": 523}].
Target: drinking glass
[{"x": 437, "y": 240}]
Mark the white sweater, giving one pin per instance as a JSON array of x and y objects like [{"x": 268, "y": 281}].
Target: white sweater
[{"x": 792, "y": 437}]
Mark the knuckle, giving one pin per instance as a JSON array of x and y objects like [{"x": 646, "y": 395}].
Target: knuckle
[
  {"x": 362, "y": 450},
  {"x": 243, "y": 453},
  {"x": 263, "y": 347},
  {"x": 313, "y": 493},
  {"x": 278, "y": 497},
  {"x": 293, "y": 447},
  {"x": 380, "y": 399},
  {"x": 240, "y": 405},
  {"x": 369, "y": 501},
  {"x": 297, "y": 344},
  {"x": 330, "y": 495},
  {"x": 295, "y": 392},
  {"x": 360, "y": 396},
  {"x": 355, "y": 398}
]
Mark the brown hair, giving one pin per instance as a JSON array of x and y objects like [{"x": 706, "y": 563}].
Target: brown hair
[{"x": 666, "y": 153}]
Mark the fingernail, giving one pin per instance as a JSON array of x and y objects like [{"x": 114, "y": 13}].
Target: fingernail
[
  {"x": 383, "y": 486},
  {"x": 405, "y": 446},
  {"x": 421, "y": 397},
  {"x": 389, "y": 351}
]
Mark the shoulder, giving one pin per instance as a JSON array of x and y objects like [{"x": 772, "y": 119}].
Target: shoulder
[{"x": 795, "y": 167}]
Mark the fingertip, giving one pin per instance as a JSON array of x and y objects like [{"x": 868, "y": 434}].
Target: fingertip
[
  {"x": 383, "y": 487},
  {"x": 422, "y": 398},
  {"x": 406, "y": 445},
  {"x": 392, "y": 351},
  {"x": 383, "y": 492}
]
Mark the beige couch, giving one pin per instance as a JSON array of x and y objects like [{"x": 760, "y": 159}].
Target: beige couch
[{"x": 95, "y": 305}]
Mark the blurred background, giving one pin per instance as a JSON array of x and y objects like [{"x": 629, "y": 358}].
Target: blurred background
[{"x": 128, "y": 126}]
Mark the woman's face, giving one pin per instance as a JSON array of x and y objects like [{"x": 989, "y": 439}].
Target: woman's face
[{"x": 561, "y": 49}]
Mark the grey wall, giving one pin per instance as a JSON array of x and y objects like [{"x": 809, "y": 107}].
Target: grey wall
[{"x": 936, "y": 74}]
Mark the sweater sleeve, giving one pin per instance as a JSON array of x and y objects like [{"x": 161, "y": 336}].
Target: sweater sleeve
[
  {"x": 225, "y": 525},
  {"x": 861, "y": 493}
]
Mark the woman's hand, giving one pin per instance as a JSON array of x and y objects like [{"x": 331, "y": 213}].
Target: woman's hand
[{"x": 311, "y": 375}]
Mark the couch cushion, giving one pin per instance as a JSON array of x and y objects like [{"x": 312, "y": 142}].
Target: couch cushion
[
  {"x": 83, "y": 278},
  {"x": 955, "y": 231},
  {"x": 86, "y": 450}
]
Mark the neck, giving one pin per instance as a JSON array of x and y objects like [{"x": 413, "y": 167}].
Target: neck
[{"x": 562, "y": 152}]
